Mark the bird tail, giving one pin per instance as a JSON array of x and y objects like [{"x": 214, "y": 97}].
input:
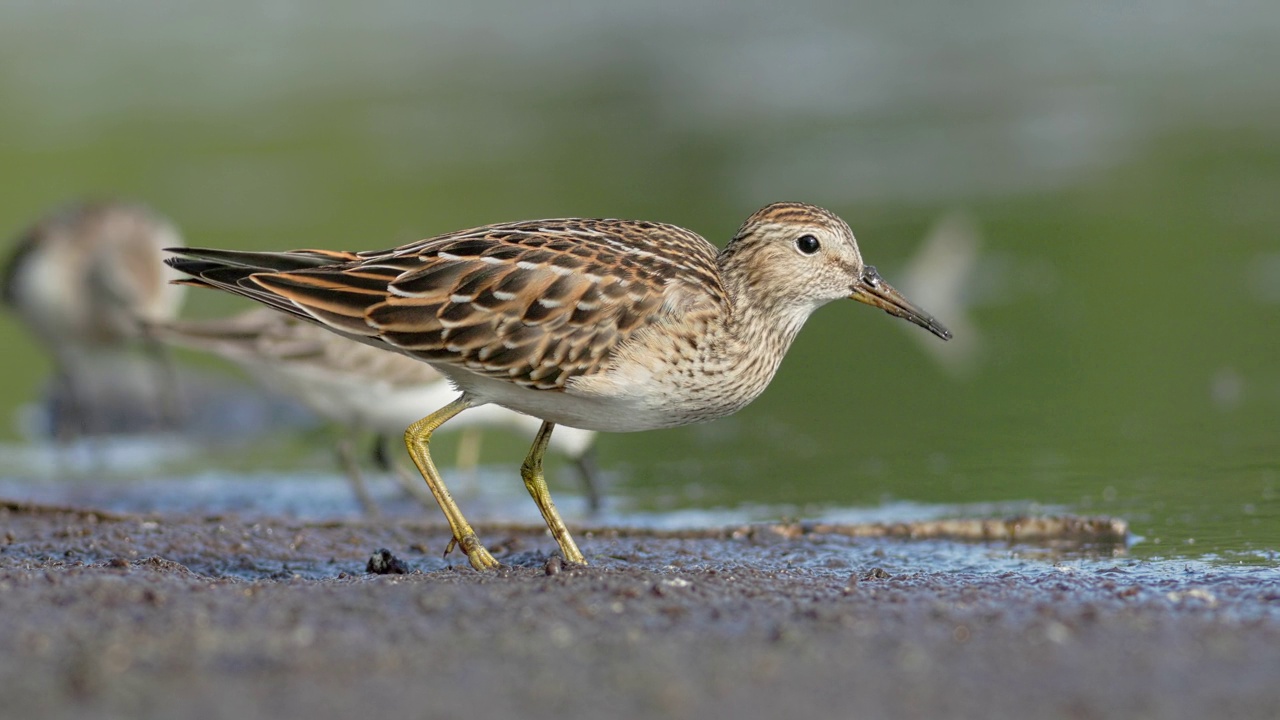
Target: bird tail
[{"x": 233, "y": 270}]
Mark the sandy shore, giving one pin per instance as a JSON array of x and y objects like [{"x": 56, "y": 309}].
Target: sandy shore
[{"x": 180, "y": 616}]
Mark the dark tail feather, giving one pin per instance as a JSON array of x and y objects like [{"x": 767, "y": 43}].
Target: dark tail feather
[
  {"x": 230, "y": 270},
  {"x": 197, "y": 261},
  {"x": 233, "y": 271}
]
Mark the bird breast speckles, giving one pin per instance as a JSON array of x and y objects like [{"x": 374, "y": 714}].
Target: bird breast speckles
[{"x": 679, "y": 372}]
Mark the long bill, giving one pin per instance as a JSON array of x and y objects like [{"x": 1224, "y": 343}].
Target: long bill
[{"x": 873, "y": 290}]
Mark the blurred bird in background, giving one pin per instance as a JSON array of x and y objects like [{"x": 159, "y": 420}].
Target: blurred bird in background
[{"x": 88, "y": 282}]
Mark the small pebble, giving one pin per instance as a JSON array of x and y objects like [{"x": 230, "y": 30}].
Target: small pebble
[
  {"x": 877, "y": 574},
  {"x": 383, "y": 562},
  {"x": 554, "y": 565}
]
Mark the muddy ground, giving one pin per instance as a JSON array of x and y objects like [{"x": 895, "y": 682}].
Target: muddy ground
[{"x": 137, "y": 616}]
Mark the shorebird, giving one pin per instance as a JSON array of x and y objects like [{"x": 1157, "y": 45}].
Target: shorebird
[
  {"x": 598, "y": 324},
  {"x": 87, "y": 281},
  {"x": 355, "y": 385}
]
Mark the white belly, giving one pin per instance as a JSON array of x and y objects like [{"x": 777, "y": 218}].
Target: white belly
[{"x": 613, "y": 402}]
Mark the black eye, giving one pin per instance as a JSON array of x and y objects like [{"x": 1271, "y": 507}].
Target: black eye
[{"x": 808, "y": 244}]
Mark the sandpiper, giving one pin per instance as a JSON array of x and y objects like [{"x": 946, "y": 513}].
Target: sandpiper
[
  {"x": 361, "y": 387},
  {"x": 87, "y": 281},
  {"x": 607, "y": 325}
]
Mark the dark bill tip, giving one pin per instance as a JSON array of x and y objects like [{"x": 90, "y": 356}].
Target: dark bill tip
[{"x": 873, "y": 290}]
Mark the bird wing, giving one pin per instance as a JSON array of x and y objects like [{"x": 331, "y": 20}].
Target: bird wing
[{"x": 535, "y": 303}]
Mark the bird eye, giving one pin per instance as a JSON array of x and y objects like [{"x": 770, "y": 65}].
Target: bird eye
[{"x": 807, "y": 244}]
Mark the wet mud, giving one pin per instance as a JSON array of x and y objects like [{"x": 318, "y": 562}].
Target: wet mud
[{"x": 124, "y": 615}]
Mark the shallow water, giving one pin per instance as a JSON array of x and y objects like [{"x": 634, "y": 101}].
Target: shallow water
[{"x": 1115, "y": 296}]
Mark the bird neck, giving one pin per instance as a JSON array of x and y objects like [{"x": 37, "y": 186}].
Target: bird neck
[{"x": 762, "y": 325}]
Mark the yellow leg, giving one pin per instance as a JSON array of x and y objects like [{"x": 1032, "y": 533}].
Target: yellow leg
[
  {"x": 416, "y": 438},
  {"x": 536, "y": 484}
]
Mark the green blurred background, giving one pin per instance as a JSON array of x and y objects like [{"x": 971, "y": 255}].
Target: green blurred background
[{"x": 1118, "y": 318}]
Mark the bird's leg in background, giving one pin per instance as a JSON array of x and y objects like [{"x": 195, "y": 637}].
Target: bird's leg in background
[
  {"x": 347, "y": 459},
  {"x": 171, "y": 406},
  {"x": 380, "y": 453},
  {"x": 589, "y": 474},
  {"x": 410, "y": 484},
  {"x": 468, "y": 457}
]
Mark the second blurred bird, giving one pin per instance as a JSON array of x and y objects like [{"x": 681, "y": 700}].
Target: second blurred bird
[{"x": 88, "y": 281}]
